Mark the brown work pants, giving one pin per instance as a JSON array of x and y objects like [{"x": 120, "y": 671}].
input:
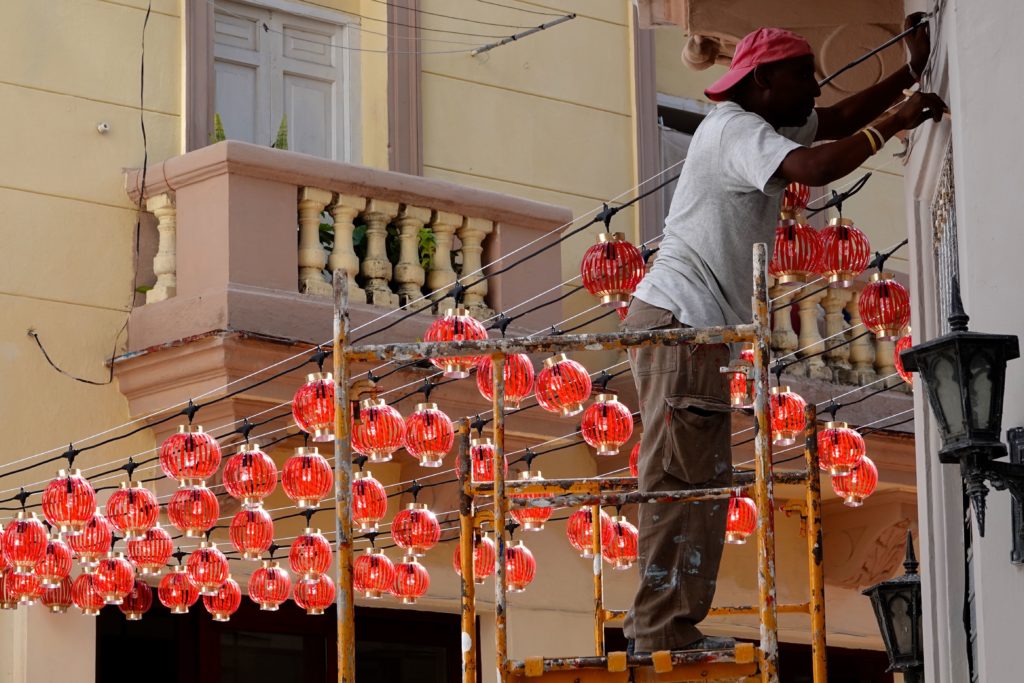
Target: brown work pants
[{"x": 685, "y": 444}]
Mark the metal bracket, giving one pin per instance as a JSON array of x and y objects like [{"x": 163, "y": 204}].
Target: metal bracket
[{"x": 1015, "y": 437}]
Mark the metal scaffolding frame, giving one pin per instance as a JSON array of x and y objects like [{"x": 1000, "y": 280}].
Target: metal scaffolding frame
[{"x": 747, "y": 661}]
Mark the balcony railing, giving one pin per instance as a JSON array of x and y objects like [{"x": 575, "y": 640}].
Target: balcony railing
[{"x": 242, "y": 227}]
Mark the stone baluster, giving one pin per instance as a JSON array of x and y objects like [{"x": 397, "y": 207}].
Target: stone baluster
[
  {"x": 885, "y": 359},
  {"x": 312, "y": 256},
  {"x": 837, "y": 358},
  {"x": 810, "y": 337},
  {"x": 165, "y": 263},
  {"x": 343, "y": 256},
  {"x": 784, "y": 341},
  {"x": 862, "y": 353},
  {"x": 441, "y": 276},
  {"x": 471, "y": 234},
  {"x": 409, "y": 274},
  {"x": 376, "y": 268}
]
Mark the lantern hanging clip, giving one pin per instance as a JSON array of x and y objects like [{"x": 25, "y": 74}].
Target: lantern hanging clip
[
  {"x": 70, "y": 455},
  {"x": 190, "y": 410},
  {"x": 319, "y": 356},
  {"x": 501, "y": 323},
  {"x": 130, "y": 467},
  {"x": 478, "y": 424}
]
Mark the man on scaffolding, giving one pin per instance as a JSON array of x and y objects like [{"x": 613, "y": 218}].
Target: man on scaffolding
[{"x": 728, "y": 198}]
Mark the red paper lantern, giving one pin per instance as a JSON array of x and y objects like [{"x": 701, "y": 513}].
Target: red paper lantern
[
  {"x": 579, "y": 530},
  {"x": 55, "y": 566},
  {"x": 563, "y": 386},
  {"x": 193, "y": 509},
  {"x": 739, "y": 391},
  {"x": 132, "y": 510},
  {"x": 634, "y": 460},
  {"x": 307, "y": 477},
  {"x": 369, "y": 502},
  {"x": 795, "y": 197},
  {"x": 902, "y": 344},
  {"x": 57, "y": 599},
  {"x": 411, "y": 580},
  {"x": 612, "y": 268},
  {"x": 252, "y": 532},
  {"x": 415, "y": 529},
  {"x": 797, "y": 253},
  {"x": 115, "y": 577},
  {"x": 520, "y": 567},
  {"x": 747, "y": 354},
  {"x": 137, "y": 601},
  {"x": 176, "y": 592},
  {"x": 313, "y": 406},
  {"x": 856, "y": 486},
  {"x": 250, "y": 475},
  {"x": 7, "y": 598},
  {"x": 93, "y": 543},
  {"x": 315, "y": 596},
  {"x": 484, "y": 556},
  {"x": 455, "y": 324},
  {"x": 429, "y": 435},
  {"x": 85, "y": 596},
  {"x": 884, "y": 306},
  {"x": 225, "y": 601},
  {"x": 379, "y": 431},
  {"x": 269, "y": 586},
  {"x": 607, "y": 424},
  {"x": 24, "y": 543},
  {"x": 191, "y": 453},
  {"x": 310, "y": 555},
  {"x": 3, "y": 558},
  {"x": 531, "y": 518},
  {"x": 741, "y": 520},
  {"x": 840, "y": 448},
  {"x": 373, "y": 574},
  {"x": 845, "y": 252},
  {"x": 25, "y": 588},
  {"x": 68, "y": 502},
  {"x": 481, "y": 459},
  {"x": 207, "y": 568},
  {"x": 151, "y": 552},
  {"x": 518, "y": 375},
  {"x": 787, "y": 416},
  {"x": 620, "y": 550}
]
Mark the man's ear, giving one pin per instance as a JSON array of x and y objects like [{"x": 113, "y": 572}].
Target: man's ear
[{"x": 762, "y": 77}]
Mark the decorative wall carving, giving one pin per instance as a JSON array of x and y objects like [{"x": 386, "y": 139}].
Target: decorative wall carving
[{"x": 866, "y": 545}]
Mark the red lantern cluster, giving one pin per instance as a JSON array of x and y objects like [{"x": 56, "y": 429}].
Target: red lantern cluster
[
  {"x": 455, "y": 324},
  {"x": 269, "y": 586},
  {"x": 190, "y": 453},
  {"x": 315, "y": 596},
  {"x": 741, "y": 519},
  {"x": 612, "y": 268},
  {"x": 251, "y": 533},
  {"x": 411, "y": 580},
  {"x": 132, "y": 510},
  {"x": 518, "y": 375},
  {"x": 225, "y": 602},
  {"x": 115, "y": 577},
  {"x": 481, "y": 458},
  {"x": 313, "y": 406},
  {"x": 787, "y": 416},
  {"x": 150, "y": 552},
  {"x": 193, "y": 509},
  {"x": 845, "y": 252},
  {"x": 902, "y": 344},
  {"x": 137, "y": 602},
  {"x": 24, "y": 543},
  {"x": 56, "y": 600},
  {"x": 797, "y": 253},
  {"x": 531, "y": 518},
  {"x": 207, "y": 568},
  {"x": 85, "y": 596},
  {"x": 55, "y": 566},
  {"x": 563, "y": 386},
  {"x": 379, "y": 431},
  {"x": 94, "y": 541},
  {"x": 250, "y": 475},
  {"x": 840, "y": 449},
  {"x": 68, "y": 502},
  {"x": 429, "y": 435},
  {"x": 607, "y": 424},
  {"x": 307, "y": 477},
  {"x": 856, "y": 486},
  {"x": 620, "y": 550},
  {"x": 579, "y": 530},
  {"x": 310, "y": 555},
  {"x": 884, "y": 306},
  {"x": 176, "y": 592},
  {"x": 520, "y": 567},
  {"x": 415, "y": 529},
  {"x": 373, "y": 574},
  {"x": 484, "y": 557},
  {"x": 369, "y": 502},
  {"x": 26, "y": 589}
]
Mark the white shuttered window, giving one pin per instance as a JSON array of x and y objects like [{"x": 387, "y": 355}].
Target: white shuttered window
[{"x": 270, "y": 63}]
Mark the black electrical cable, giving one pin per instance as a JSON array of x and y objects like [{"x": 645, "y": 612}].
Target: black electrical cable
[{"x": 778, "y": 367}]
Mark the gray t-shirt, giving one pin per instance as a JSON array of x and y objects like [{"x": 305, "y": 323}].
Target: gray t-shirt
[{"x": 726, "y": 200}]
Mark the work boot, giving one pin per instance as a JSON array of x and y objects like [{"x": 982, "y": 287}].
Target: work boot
[{"x": 712, "y": 643}]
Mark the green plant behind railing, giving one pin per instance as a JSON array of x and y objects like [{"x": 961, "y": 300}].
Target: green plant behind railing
[{"x": 280, "y": 142}]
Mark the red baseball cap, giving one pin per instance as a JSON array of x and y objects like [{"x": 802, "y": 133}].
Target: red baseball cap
[{"x": 763, "y": 46}]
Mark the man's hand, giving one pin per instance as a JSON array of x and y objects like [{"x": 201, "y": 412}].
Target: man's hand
[
  {"x": 919, "y": 42},
  {"x": 920, "y": 107}
]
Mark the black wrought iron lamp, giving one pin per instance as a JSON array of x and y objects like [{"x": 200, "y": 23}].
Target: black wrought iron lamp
[
  {"x": 897, "y": 604},
  {"x": 964, "y": 375}
]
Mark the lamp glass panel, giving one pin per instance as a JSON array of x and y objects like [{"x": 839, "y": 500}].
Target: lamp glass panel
[
  {"x": 945, "y": 386},
  {"x": 980, "y": 389},
  {"x": 900, "y": 610}
]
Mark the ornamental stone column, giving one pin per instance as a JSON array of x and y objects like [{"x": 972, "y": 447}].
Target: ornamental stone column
[
  {"x": 312, "y": 256},
  {"x": 441, "y": 275},
  {"x": 165, "y": 263},
  {"x": 376, "y": 268},
  {"x": 784, "y": 339},
  {"x": 837, "y": 358},
  {"x": 862, "y": 352},
  {"x": 810, "y": 338},
  {"x": 471, "y": 234},
  {"x": 343, "y": 255},
  {"x": 409, "y": 273}
]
